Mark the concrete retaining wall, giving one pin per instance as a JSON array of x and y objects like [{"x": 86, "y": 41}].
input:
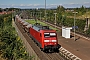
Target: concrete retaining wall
[{"x": 26, "y": 44}]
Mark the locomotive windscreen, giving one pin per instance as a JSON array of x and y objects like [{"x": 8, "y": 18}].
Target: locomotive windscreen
[
  {"x": 45, "y": 27},
  {"x": 49, "y": 35}
]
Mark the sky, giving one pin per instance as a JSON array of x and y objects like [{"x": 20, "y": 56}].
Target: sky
[{"x": 41, "y": 3}]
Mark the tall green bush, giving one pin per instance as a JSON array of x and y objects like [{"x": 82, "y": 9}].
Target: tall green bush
[{"x": 11, "y": 45}]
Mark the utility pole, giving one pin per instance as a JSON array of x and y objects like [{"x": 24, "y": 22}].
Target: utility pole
[
  {"x": 31, "y": 14},
  {"x": 40, "y": 16},
  {"x": 74, "y": 23},
  {"x": 62, "y": 21},
  {"x": 35, "y": 16},
  {"x": 55, "y": 19},
  {"x": 45, "y": 10}
]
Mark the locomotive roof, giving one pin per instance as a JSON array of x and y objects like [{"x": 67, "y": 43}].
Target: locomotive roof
[{"x": 39, "y": 27}]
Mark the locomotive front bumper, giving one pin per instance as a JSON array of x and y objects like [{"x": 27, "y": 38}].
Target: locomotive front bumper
[{"x": 56, "y": 47}]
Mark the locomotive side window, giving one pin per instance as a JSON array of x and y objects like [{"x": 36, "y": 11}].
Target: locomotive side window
[
  {"x": 49, "y": 34},
  {"x": 52, "y": 34},
  {"x": 40, "y": 35},
  {"x": 46, "y": 35}
]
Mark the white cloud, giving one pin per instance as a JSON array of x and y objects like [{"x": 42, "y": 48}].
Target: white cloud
[
  {"x": 13, "y": 5},
  {"x": 72, "y": 3},
  {"x": 36, "y": 4},
  {"x": 29, "y": 5},
  {"x": 22, "y": 5},
  {"x": 87, "y": 4}
]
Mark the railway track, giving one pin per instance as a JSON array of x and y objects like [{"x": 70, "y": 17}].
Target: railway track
[
  {"x": 41, "y": 55},
  {"x": 68, "y": 55},
  {"x": 54, "y": 56}
]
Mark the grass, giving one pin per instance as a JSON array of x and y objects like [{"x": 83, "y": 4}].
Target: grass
[{"x": 42, "y": 23}]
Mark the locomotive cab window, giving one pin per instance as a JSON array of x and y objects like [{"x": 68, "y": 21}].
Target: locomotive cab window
[
  {"x": 46, "y": 35},
  {"x": 49, "y": 35},
  {"x": 52, "y": 34}
]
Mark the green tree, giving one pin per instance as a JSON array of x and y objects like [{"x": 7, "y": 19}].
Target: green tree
[
  {"x": 11, "y": 47},
  {"x": 80, "y": 10},
  {"x": 60, "y": 9},
  {"x": 0, "y": 9},
  {"x": 1, "y": 21}
]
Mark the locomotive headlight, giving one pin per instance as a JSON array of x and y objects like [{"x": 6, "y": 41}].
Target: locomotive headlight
[
  {"x": 55, "y": 43},
  {"x": 46, "y": 40},
  {"x": 54, "y": 40}
]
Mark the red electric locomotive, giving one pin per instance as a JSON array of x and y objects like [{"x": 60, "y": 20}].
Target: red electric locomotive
[{"x": 45, "y": 37}]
